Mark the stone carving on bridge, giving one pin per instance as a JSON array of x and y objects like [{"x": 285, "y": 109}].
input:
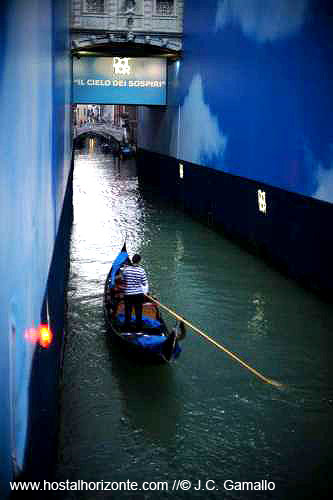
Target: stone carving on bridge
[
  {"x": 139, "y": 21},
  {"x": 129, "y": 7},
  {"x": 94, "y": 6}
]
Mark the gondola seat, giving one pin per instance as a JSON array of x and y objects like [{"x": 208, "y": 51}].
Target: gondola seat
[{"x": 146, "y": 321}]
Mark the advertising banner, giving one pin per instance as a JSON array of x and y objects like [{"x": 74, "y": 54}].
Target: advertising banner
[{"x": 119, "y": 80}]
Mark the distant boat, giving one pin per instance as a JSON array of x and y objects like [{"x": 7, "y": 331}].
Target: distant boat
[
  {"x": 126, "y": 151},
  {"x": 112, "y": 147},
  {"x": 155, "y": 342}
]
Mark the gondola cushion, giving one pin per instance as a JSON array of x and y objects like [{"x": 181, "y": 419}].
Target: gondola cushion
[{"x": 147, "y": 322}]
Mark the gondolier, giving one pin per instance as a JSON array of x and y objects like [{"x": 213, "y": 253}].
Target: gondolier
[{"x": 135, "y": 285}]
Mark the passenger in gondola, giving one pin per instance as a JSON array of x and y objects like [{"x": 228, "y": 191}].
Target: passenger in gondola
[
  {"x": 135, "y": 285},
  {"x": 117, "y": 294}
]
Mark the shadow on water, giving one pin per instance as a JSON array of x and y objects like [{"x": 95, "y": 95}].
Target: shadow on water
[{"x": 148, "y": 394}]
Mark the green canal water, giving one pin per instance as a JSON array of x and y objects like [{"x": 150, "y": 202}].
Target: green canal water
[{"x": 203, "y": 418}]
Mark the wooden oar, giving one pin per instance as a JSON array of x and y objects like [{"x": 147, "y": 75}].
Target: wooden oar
[{"x": 219, "y": 346}]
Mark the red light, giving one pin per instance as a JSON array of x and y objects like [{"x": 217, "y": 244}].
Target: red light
[
  {"x": 42, "y": 334},
  {"x": 32, "y": 335},
  {"x": 45, "y": 336}
]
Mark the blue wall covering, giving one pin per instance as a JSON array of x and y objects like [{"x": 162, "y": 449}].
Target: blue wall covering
[
  {"x": 253, "y": 93},
  {"x": 35, "y": 148}
]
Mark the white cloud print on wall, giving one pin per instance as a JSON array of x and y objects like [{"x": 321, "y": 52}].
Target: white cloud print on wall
[
  {"x": 325, "y": 183},
  {"x": 200, "y": 138},
  {"x": 263, "y": 20},
  {"x": 321, "y": 176}
]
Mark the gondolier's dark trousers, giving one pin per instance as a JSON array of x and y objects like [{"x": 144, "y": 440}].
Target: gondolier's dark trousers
[{"x": 136, "y": 301}]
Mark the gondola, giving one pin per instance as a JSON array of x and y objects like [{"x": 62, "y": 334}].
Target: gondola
[
  {"x": 126, "y": 150},
  {"x": 155, "y": 343}
]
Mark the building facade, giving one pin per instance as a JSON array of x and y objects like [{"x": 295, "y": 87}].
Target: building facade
[{"x": 156, "y": 23}]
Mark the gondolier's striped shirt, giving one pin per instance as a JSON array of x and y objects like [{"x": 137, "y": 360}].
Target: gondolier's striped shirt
[{"x": 134, "y": 280}]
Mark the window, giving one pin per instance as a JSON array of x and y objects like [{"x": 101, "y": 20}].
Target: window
[
  {"x": 165, "y": 7},
  {"x": 94, "y": 6}
]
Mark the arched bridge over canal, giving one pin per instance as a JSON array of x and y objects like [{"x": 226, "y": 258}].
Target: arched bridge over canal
[{"x": 108, "y": 131}]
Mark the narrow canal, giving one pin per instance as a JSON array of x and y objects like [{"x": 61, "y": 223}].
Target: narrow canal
[{"x": 204, "y": 417}]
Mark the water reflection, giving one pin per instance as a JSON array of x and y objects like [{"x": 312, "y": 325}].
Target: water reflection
[
  {"x": 107, "y": 210},
  {"x": 149, "y": 396},
  {"x": 91, "y": 145},
  {"x": 258, "y": 324}
]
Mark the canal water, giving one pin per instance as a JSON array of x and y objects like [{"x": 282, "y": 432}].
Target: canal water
[{"x": 203, "y": 418}]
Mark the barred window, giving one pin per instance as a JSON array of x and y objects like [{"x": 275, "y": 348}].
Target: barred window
[
  {"x": 164, "y": 7},
  {"x": 94, "y": 6}
]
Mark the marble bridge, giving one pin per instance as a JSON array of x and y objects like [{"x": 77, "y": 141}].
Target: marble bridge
[{"x": 106, "y": 130}]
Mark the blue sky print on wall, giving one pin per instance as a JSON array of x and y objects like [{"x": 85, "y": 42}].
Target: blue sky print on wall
[
  {"x": 263, "y": 20},
  {"x": 254, "y": 92}
]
